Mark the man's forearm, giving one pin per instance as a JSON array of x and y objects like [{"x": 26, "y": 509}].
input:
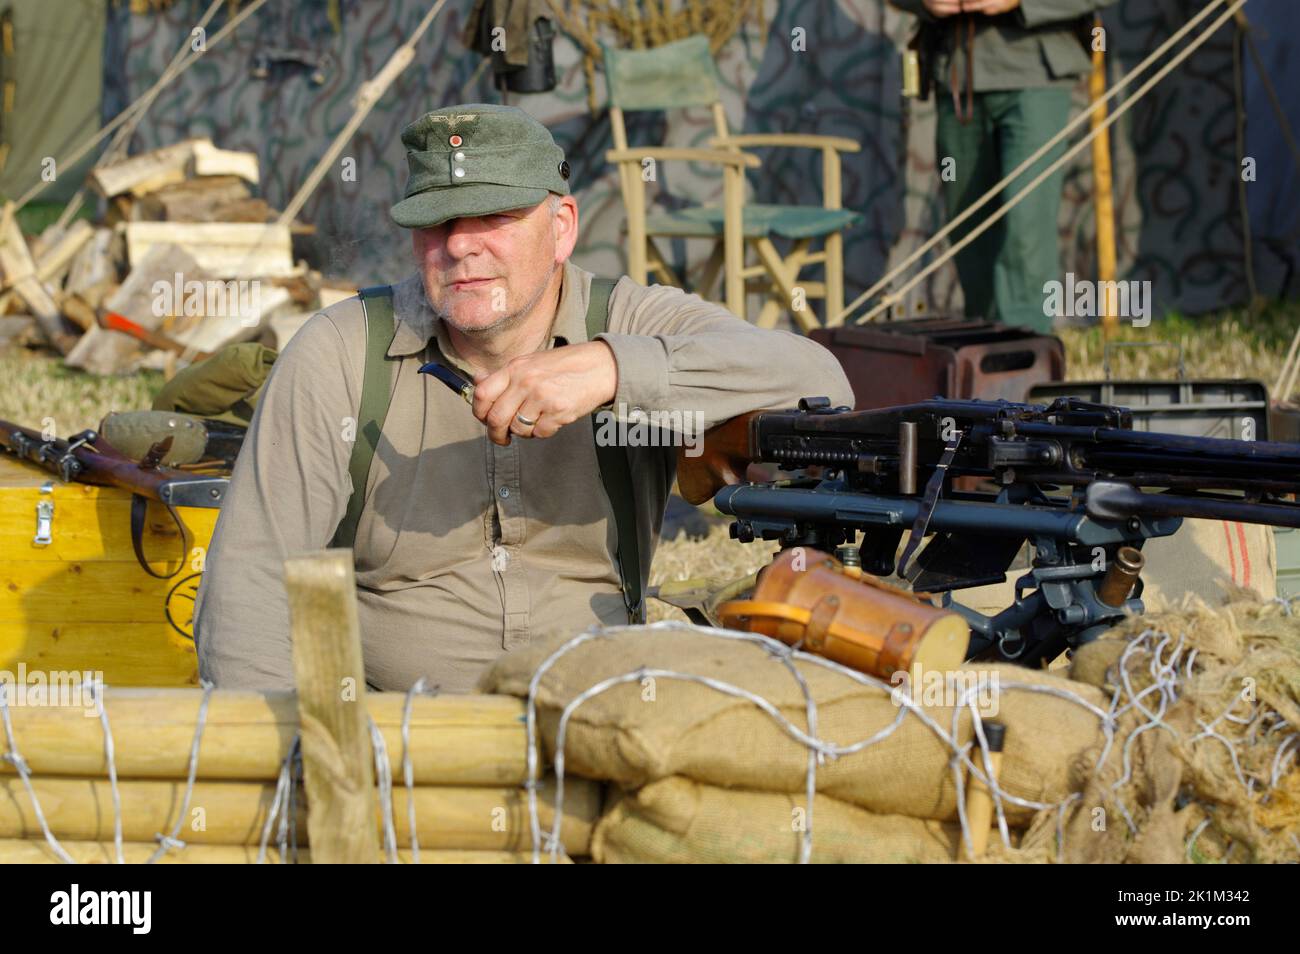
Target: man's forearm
[{"x": 677, "y": 352}]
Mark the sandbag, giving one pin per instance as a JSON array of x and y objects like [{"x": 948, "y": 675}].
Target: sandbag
[
  {"x": 640, "y": 732},
  {"x": 678, "y": 821}
]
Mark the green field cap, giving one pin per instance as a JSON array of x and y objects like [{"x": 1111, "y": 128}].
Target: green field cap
[{"x": 477, "y": 159}]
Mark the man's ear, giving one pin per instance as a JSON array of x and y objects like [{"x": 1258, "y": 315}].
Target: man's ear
[{"x": 565, "y": 225}]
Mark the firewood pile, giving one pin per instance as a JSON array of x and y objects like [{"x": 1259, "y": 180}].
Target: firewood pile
[{"x": 184, "y": 260}]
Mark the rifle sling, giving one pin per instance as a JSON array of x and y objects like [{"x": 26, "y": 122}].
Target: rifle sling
[{"x": 139, "y": 507}]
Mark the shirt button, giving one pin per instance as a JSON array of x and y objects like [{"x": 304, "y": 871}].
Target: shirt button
[
  {"x": 503, "y": 492},
  {"x": 459, "y": 157},
  {"x": 459, "y": 172}
]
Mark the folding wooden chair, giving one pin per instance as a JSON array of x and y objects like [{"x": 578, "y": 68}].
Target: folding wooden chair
[{"x": 682, "y": 74}]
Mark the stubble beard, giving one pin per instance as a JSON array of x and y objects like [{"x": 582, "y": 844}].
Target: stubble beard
[{"x": 506, "y": 321}]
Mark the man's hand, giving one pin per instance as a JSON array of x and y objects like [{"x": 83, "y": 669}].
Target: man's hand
[
  {"x": 943, "y": 8},
  {"x": 988, "y": 7},
  {"x": 550, "y": 388}
]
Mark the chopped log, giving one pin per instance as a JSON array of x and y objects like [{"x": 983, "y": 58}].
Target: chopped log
[
  {"x": 211, "y": 161},
  {"x": 246, "y": 210},
  {"x": 92, "y": 267},
  {"x": 234, "y": 813},
  {"x": 146, "y": 172},
  {"x": 194, "y": 200},
  {"x": 121, "y": 209},
  {"x": 455, "y": 740},
  {"x": 20, "y": 274},
  {"x": 51, "y": 264},
  {"x": 79, "y": 312},
  {"x": 241, "y": 319},
  {"x": 101, "y": 351},
  {"x": 231, "y": 250}
]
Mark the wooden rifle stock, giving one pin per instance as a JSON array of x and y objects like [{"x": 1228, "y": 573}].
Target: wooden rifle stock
[{"x": 728, "y": 450}]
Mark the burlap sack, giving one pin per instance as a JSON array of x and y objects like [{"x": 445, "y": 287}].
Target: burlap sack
[
  {"x": 640, "y": 732},
  {"x": 678, "y": 821},
  {"x": 1214, "y": 559}
]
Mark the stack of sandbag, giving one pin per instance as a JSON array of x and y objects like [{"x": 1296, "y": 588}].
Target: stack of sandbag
[
  {"x": 1233, "y": 719},
  {"x": 705, "y": 775},
  {"x": 468, "y": 759}
]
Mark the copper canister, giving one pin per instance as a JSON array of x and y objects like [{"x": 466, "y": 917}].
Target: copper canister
[{"x": 806, "y": 596}]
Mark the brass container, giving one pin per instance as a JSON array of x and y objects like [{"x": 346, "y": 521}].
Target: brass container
[{"x": 806, "y": 596}]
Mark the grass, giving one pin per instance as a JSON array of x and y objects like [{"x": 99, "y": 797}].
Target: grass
[
  {"x": 1230, "y": 344},
  {"x": 36, "y": 386}
]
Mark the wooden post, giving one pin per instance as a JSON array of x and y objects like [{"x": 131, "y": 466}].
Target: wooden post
[
  {"x": 1103, "y": 193},
  {"x": 338, "y": 766}
]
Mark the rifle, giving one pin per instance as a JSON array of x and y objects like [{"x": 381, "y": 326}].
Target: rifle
[
  {"x": 87, "y": 458},
  {"x": 1072, "y": 479}
]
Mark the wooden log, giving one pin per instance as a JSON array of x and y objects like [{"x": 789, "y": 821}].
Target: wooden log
[
  {"x": 23, "y": 851},
  {"x": 81, "y": 314},
  {"x": 234, "y": 813},
  {"x": 211, "y": 161},
  {"x": 101, "y": 351},
  {"x": 92, "y": 267},
  {"x": 53, "y": 261},
  {"x": 455, "y": 740},
  {"x": 194, "y": 200},
  {"x": 20, "y": 274},
  {"x": 338, "y": 771},
  {"x": 224, "y": 249},
  {"x": 146, "y": 172}
]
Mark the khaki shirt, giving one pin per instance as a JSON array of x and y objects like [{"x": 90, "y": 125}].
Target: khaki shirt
[{"x": 466, "y": 550}]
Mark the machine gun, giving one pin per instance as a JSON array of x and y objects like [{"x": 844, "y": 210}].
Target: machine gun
[{"x": 980, "y": 479}]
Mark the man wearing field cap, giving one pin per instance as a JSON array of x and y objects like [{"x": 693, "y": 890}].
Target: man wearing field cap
[{"x": 478, "y": 529}]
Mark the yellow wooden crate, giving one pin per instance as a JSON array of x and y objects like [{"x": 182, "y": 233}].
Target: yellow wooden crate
[{"x": 82, "y": 602}]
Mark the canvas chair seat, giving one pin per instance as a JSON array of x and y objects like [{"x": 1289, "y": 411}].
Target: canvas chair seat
[
  {"x": 682, "y": 74},
  {"x": 785, "y": 221}
]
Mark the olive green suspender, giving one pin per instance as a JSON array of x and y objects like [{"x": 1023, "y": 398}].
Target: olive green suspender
[{"x": 615, "y": 471}]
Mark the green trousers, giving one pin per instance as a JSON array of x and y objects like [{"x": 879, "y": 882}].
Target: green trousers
[{"x": 1003, "y": 271}]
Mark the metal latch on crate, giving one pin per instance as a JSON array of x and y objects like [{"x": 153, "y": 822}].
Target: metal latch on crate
[{"x": 45, "y": 517}]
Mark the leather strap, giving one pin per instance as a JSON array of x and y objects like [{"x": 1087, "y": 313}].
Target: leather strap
[
  {"x": 376, "y": 393},
  {"x": 139, "y": 506},
  {"x": 616, "y": 473}
]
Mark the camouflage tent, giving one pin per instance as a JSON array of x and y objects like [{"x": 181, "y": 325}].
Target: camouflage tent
[{"x": 1177, "y": 166}]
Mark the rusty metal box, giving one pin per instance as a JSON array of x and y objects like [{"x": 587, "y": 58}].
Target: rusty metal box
[{"x": 898, "y": 362}]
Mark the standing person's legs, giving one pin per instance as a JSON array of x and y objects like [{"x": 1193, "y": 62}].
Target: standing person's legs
[
  {"x": 972, "y": 148},
  {"x": 1030, "y": 253}
]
